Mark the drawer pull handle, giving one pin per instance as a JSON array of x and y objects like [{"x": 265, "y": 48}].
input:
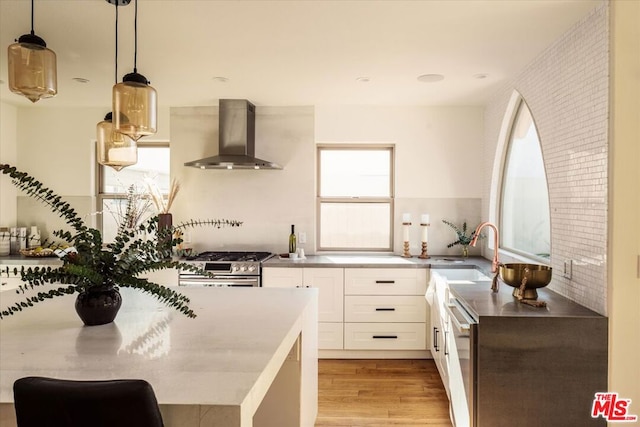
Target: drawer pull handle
[
  {"x": 435, "y": 339},
  {"x": 385, "y": 281},
  {"x": 385, "y": 309},
  {"x": 386, "y": 337}
]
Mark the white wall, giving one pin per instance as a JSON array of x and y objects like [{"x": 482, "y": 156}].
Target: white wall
[
  {"x": 566, "y": 89},
  {"x": 437, "y": 169},
  {"x": 8, "y": 155}
]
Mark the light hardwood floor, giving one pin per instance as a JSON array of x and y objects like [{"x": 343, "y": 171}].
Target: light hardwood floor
[{"x": 377, "y": 393}]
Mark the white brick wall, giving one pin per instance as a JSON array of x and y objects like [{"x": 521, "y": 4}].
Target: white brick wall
[{"x": 567, "y": 89}]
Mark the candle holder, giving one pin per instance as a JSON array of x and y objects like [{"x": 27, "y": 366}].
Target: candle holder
[
  {"x": 423, "y": 254},
  {"x": 405, "y": 252}
]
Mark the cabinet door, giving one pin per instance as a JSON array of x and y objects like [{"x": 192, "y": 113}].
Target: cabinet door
[
  {"x": 330, "y": 282},
  {"x": 281, "y": 277}
]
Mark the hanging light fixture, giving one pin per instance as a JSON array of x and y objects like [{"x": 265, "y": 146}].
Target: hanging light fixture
[
  {"x": 32, "y": 67},
  {"x": 113, "y": 148},
  {"x": 135, "y": 103}
]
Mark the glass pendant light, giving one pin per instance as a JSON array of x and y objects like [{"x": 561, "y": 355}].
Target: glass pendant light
[
  {"x": 32, "y": 67},
  {"x": 113, "y": 148},
  {"x": 135, "y": 103}
]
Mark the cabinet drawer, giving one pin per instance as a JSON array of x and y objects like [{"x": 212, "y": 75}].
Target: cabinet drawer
[
  {"x": 405, "y": 308},
  {"x": 330, "y": 336},
  {"x": 385, "y": 281},
  {"x": 384, "y": 336}
]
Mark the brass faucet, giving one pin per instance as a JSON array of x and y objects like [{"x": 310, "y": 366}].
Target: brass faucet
[{"x": 495, "y": 263}]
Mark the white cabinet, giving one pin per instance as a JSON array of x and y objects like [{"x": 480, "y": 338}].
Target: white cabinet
[
  {"x": 440, "y": 334},
  {"x": 385, "y": 309},
  {"x": 281, "y": 277},
  {"x": 330, "y": 282},
  {"x": 363, "y": 308}
]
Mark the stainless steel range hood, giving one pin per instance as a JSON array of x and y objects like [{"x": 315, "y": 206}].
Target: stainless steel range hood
[{"x": 236, "y": 139}]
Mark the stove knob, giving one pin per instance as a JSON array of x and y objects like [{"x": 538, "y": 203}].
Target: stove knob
[
  {"x": 243, "y": 268},
  {"x": 235, "y": 267},
  {"x": 252, "y": 268}
]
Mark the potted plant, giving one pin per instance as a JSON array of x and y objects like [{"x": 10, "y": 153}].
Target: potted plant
[
  {"x": 96, "y": 270},
  {"x": 463, "y": 239}
]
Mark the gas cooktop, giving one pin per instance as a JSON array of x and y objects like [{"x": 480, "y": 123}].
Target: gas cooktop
[{"x": 213, "y": 256}]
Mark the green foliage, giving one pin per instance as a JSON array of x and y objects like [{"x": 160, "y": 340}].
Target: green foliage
[
  {"x": 461, "y": 233},
  {"x": 96, "y": 264}
]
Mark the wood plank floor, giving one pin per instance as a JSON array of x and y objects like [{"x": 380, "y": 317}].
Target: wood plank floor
[{"x": 377, "y": 393}]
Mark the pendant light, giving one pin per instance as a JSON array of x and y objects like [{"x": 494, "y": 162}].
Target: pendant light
[
  {"x": 32, "y": 67},
  {"x": 113, "y": 148},
  {"x": 135, "y": 103}
]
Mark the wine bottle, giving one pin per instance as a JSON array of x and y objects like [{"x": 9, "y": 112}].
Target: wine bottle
[{"x": 292, "y": 240}]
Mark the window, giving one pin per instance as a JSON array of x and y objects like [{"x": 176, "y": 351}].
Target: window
[
  {"x": 355, "y": 197},
  {"x": 525, "y": 222},
  {"x": 114, "y": 187}
]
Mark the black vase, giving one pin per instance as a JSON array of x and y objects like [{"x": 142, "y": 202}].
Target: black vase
[
  {"x": 165, "y": 223},
  {"x": 98, "y": 306}
]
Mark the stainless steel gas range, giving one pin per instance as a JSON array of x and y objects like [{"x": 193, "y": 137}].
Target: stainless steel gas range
[{"x": 227, "y": 269}]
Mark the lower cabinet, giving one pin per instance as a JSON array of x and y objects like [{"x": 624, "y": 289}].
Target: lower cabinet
[
  {"x": 363, "y": 308},
  {"x": 385, "y": 309},
  {"x": 330, "y": 282}
]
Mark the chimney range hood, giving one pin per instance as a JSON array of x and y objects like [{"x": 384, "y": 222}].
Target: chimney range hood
[{"x": 236, "y": 139}]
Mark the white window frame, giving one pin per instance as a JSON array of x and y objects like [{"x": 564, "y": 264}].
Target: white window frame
[
  {"x": 390, "y": 199},
  {"x": 101, "y": 196},
  {"x": 514, "y": 113}
]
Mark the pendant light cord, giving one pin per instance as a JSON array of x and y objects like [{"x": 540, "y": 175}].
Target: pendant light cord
[
  {"x": 135, "y": 43},
  {"x": 116, "y": 61},
  {"x": 32, "y": 33}
]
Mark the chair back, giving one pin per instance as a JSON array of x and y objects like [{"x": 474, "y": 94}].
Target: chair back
[{"x": 50, "y": 402}]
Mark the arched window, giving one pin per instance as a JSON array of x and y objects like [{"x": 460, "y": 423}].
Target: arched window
[{"x": 525, "y": 222}]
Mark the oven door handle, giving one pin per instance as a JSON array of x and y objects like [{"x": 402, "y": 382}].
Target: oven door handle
[{"x": 220, "y": 282}]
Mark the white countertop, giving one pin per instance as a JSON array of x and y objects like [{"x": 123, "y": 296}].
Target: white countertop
[{"x": 219, "y": 358}]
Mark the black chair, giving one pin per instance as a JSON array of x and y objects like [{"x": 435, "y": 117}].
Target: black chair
[{"x": 50, "y": 402}]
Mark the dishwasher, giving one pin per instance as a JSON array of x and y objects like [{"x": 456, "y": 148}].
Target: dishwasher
[{"x": 462, "y": 364}]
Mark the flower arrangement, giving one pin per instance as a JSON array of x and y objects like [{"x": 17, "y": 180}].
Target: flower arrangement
[
  {"x": 463, "y": 239},
  {"x": 89, "y": 266}
]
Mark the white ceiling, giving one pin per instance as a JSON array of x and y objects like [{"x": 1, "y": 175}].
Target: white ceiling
[{"x": 291, "y": 52}]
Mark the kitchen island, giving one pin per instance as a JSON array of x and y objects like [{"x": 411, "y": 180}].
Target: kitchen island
[
  {"x": 530, "y": 366},
  {"x": 248, "y": 359}
]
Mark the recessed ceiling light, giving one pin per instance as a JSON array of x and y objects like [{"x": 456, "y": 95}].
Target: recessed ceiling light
[
  {"x": 220, "y": 79},
  {"x": 430, "y": 78},
  {"x": 481, "y": 76},
  {"x": 363, "y": 79},
  {"x": 80, "y": 80}
]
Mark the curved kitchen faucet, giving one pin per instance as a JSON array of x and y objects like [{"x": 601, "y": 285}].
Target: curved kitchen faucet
[{"x": 495, "y": 263}]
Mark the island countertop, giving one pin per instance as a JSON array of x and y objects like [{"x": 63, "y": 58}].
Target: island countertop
[{"x": 227, "y": 357}]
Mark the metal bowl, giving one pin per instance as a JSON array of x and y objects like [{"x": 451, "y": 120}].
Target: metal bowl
[{"x": 537, "y": 276}]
